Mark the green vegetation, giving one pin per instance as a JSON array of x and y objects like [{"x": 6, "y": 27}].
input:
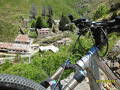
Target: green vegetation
[
  {"x": 5, "y": 66},
  {"x": 32, "y": 23},
  {"x": 50, "y": 21},
  {"x": 40, "y": 23},
  {"x": 7, "y": 31},
  {"x": 101, "y": 11},
  {"x": 63, "y": 21},
  {"x": 25, "y": 70},
  {"x": 33, "y": 34}
]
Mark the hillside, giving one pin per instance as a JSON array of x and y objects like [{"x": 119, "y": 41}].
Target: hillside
[
  {"x": 12, "y": 10},
  {"x": 7, "y": 31}
]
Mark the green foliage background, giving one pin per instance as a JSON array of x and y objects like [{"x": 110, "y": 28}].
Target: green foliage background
[{"x": 7, "y": 31}]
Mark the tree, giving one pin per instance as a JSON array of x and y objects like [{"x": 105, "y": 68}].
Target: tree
[
  {"x": 54, "y": 28},
  {"x": 33, "y": 11},
  {"x": 33, "y": 22},
  {"x": 44, "y": 12},
  {"x": 62, "y": 24},
  {"x": 50, "y": 11},
  {"x": 39, "y": 23},
  {"x": 50, "y": 21}
]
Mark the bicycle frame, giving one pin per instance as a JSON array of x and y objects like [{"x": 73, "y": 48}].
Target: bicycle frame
[{"x": 79, "y": 76}]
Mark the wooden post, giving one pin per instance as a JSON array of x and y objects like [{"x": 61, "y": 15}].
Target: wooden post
[{"x": 93, "y": 74}]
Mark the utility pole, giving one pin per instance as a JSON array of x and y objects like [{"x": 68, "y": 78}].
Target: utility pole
[{"x": 29, "y": 61}]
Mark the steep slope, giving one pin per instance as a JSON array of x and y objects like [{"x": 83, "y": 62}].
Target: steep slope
[{"x": 12, "y": 10}]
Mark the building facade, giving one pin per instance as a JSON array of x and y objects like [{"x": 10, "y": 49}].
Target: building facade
[
  {"x": 14, "y": 48},
  {"x": 43, "y": 32}
]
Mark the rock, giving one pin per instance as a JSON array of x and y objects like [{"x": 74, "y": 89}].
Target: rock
[{"x": 116, "y": 48}]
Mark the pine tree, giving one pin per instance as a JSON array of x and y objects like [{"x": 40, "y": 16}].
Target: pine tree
[
  {"x": 64, "y": 20},
  {"x": 33, "y": 11},
  {"x": 33, "y": 22},
  {"x": 39, "y": 23},
  {"x": 50, "y": 11},
  {"x": 50, "y": 21},
  {"x": 44, "y": 12}
]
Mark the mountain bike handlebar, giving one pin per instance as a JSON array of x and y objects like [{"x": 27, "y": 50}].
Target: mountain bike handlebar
[{"x": 98, "y": 29}]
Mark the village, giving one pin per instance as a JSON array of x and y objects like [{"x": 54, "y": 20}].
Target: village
[{"x": 26, "y": 45}]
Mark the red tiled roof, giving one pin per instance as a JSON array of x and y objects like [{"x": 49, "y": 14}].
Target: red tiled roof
[
  {"x": 5, "y": 45},
  {"x": 22, "y": 38},
  {"x": 13, "y": 46}
]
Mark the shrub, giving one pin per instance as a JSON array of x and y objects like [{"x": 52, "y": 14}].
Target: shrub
[
  {"x": 33, "y": 22},
  {"x": 27, "y": 71},
  {"x": 115, "y": 7},
  {"x": 40, "y": 23},
  {"x": 100, "y": 12},
  {"x": 54, "y": 29},
  {"x": 63, "y": 21},
  {"x": 5, "y": 66},
  {"x": 33, "y": 34},
  {"x": 114, "y": 15},
  {"x": 33, "y": 11},
  {"x": 72, "y": 27},
  {"x": 50, "y": 21}
]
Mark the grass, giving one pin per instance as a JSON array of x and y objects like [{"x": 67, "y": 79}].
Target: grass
[
  {"x": 12, "y": 10},
  {"x": 7, "y": 32}
]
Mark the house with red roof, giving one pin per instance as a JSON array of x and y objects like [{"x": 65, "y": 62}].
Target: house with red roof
[
  {"x": 14, "y": 48},
  {"x": 43, "y": 32},
  {"x": 21, "y": 45},
  {"x": 22, "y": 39}
]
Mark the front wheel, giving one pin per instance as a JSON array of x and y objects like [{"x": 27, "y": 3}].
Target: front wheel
[{"x": 13, "y": 82}]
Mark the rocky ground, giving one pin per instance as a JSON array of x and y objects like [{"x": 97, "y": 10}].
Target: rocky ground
[
  {"x": 84, "y": 85},
  {"x": 114, "y": 59}
]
